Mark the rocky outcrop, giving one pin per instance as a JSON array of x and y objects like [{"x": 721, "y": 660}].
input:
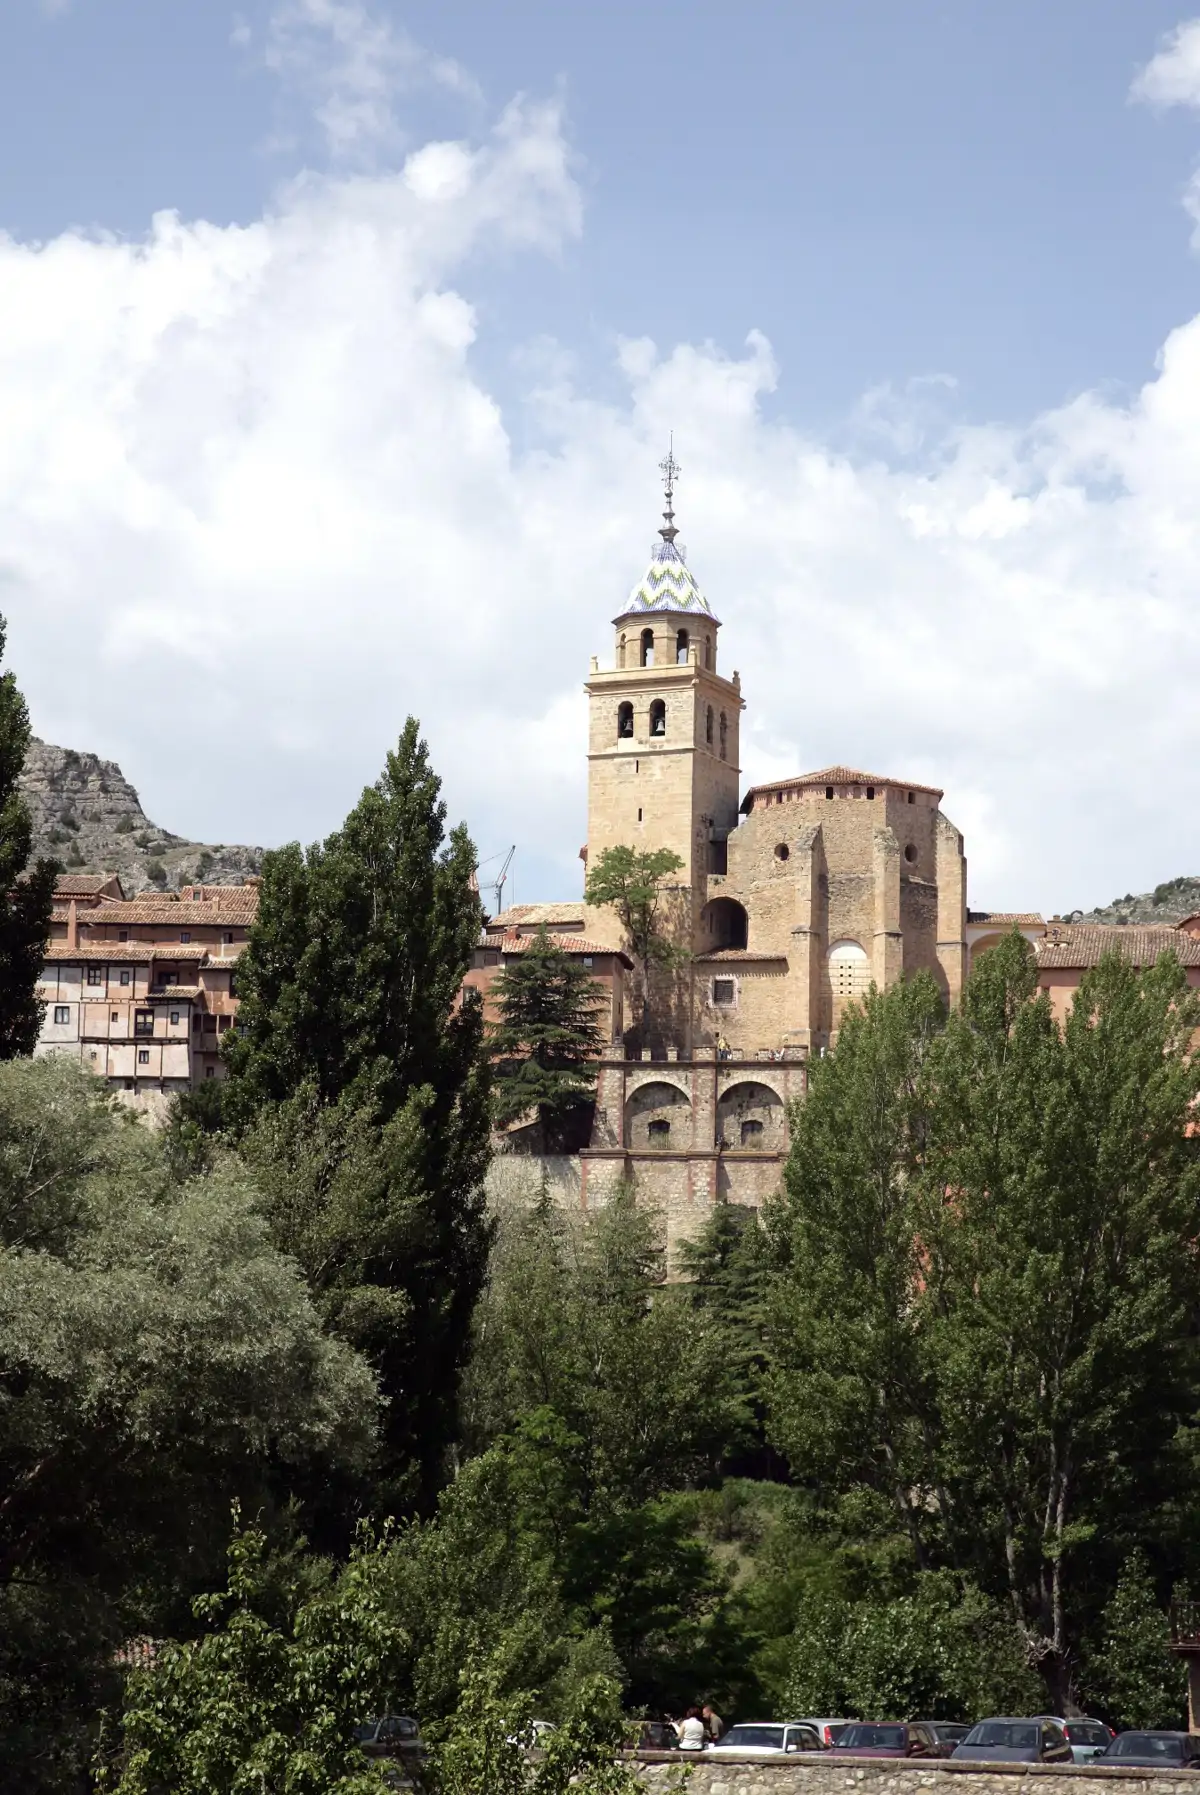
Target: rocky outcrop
[
  {"x": 89, "y": 818},
  {"x": 1168, "y": 903}
]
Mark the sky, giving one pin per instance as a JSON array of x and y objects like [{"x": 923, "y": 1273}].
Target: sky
[{"x": 340, "y": 341}]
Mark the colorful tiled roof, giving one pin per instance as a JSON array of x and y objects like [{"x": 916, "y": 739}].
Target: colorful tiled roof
[
  {"x": 1085, "y": 944},
  {"x": 668, "y": 585}
]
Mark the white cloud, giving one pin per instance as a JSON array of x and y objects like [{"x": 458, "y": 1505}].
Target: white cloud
[
  {"x": 256, "y": 504},
  {"x": 1172, "y": 77},
  {"x": 352, "y": 65}
]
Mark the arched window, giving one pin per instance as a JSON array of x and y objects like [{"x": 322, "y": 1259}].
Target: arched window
[
  {"x": 726, "y": 924},
  {"x": 708, "y": 726},
  {"x": 624, "y": 720},
  {"x": 849, "y": 973},
  {"x": 724, "y": 735},
  {"x": 708, "y": 652},
  {"x": 658, "y": 717},
  {"x": 647, "y": 648},
  {"x": 681, "y": 648},
  {"x": 621, "y": 651}
]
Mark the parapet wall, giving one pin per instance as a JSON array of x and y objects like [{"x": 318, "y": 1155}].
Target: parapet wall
[{"x": 822, "y": 1775}]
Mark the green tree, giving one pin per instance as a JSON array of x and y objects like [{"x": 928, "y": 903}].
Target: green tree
[
  {"x": 359, "y": 1084},
  {"x": 158, "y": 1357},
  {"x": 632, "y": 882},
  {"x": 996, "y": 1334},
  {"x": 548, "y": 1037},
  {"x": 262, "y": 1701},
  {"x": 484, "y": 1752},
  {"x": 26, "y": 892},
  {"x": 1134, "y": 1676},
  {"x": 729, "y": 1267}
]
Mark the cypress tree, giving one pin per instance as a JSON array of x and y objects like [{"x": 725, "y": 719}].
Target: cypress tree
[
  {"x": 26, "y": 896},
  {"x": 547, "y": 1038},
  {"x": 359, "y": 1085}
]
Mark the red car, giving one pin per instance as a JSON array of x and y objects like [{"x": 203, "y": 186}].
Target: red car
[{"x": 885, "y": 1739}]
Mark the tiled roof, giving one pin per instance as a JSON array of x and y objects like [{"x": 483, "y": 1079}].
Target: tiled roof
[
  {"x": 1085, "y": 944},
  {"x": 131, "y": 952},
  {"x": 1012, "y": 918},
  {"x": 174, "y": 914},
  {"x": 169, "y": 993},
  {"x": 840, "y": 776},
  {"x": 77, "y": 885},
  {"x": 570, "y": 944},
  {"x": 531, "y": 915},
  {"x": 667, "y": 585}
]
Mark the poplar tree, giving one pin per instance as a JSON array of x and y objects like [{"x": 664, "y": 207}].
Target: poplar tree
[
  {"x": 359, "y": 1085},
  {"x": 548, "y": 1037},
  {"x": 26, "y": 892}
]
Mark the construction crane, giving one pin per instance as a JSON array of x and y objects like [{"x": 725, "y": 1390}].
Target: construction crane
[{"x": 499, "y": 882}]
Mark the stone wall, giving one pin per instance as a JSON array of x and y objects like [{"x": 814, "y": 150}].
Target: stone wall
[{"x": 818, "y": 1774}]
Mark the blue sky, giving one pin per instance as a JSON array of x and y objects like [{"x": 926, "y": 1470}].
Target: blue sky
[{"x": 940, "y": 498}]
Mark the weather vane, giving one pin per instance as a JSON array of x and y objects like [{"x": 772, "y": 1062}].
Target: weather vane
[{"x": 670, "y": 472}]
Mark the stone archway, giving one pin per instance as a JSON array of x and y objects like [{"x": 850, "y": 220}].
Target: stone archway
[
  {"x": 751, "y": 1118},
  {"x": 658, "y": 1118}
]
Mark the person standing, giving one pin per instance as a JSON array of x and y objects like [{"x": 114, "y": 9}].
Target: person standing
[{"x": 714, "y": 1726}]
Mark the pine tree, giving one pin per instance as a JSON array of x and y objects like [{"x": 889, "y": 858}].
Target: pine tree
[
  {"x": 26, "y": 896},
  {"x": 547, "y": 1038},
  {"x": 1139, "y": 1682},
  {"x": 360, "y": 1088}
]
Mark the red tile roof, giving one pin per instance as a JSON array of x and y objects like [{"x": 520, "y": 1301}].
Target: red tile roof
[
  {"x": 1067, "y": 945},
  {"x": 837, "y": 776},
  {"x": 1009, "y": 918},
  {"x": 531, "y": 915},
  {"x": 172, "y": 913},
  {"x": 77, "y": 885},
  {"x": 139, "y": 952},
  {"x": 569, "y": 944}
]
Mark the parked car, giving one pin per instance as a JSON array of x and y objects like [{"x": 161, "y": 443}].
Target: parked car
[
  {"x": 1014, "y": 1742},
  {"x": 946, "y": 1734},
  {"x": 656, "y": 1735},
  {"x": 827, "y": 1731},
  {"x": 884, "y": 1739},
  {"x": 391, "y": 1736},
  {"x": 768, "y": 1737},
  {"x": 1087, "y": 1738},
  {"x": 1154, "y": 1750}
]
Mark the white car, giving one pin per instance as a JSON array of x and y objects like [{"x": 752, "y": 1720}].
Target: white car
[
  {"x": 768, "y": 1738},
  {"x": 826, "y": 1730}
]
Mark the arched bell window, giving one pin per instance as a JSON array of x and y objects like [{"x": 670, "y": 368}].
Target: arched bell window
[
  {"x": 708, "y": 652},
  {"x": 658, "y": 717},
  {"x": 624, "y": 720},
  {"x": 724, "y": 735},
  {"x": 647, "y": 648},
  {"x": 681, "y": 648},
  {"x": 708, "y": 726}
]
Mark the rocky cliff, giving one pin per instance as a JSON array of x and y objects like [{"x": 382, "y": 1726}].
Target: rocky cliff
[
  {"x": 1168, "y": 903},
  {"x": 88, "y": 816}
]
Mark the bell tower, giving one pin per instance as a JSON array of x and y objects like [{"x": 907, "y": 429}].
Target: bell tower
[{"x": 663, "y": 727}]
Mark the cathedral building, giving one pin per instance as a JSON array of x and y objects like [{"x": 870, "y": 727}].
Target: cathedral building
[{"x": 792, "y": 898}]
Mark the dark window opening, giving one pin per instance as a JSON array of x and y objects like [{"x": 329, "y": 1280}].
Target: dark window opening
[
  {"x": 210, "y": 1072},
  {"x": 724, "y": 991},
  {"x": 659, "y": 1132},
  {"x": 726, "y": 923},
  {"x": 95, "y": 975},
  {"x": 125, "y": 978},
  {"x": 647, "y": 648},
  {"x": 624, "y": 721},
  {"x": 175, "y": 1018},
  {"x": 708, "y": 726},
  {"x": 724, "y": 734},
  {"x": 196, "y": 1023},
  {"x": 223, "y": 1022},
  {"x": 708, "y": 652},
  {"x": 751, "y": 1133},
  {"x": 227, "y": 937},
  {"x": 143, "y": 1056},
  {"x": 658, "y": 717},
  {"x": 122, "y": 934},
  {"x": 912, "y": 797},
  {"x": 829, "y": 791},
  {"x": 210, "y": 1025},
  {"x": 115, "y": 1016},
  {"x": 681, "y": 647},
  {"x": 639, "y": 813},
  {"x": 870, "y": 791},
  {"x": 782, "y": 851},
  {"x": 910, "y": 853},
  {"x": 184, "y": 936},
  {"x": 718, "y": 856}
]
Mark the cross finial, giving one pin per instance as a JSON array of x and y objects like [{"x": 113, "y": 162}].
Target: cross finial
[{"x": 670, "y": 472}]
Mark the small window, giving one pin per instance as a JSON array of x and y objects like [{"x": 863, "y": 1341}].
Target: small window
[
  {"x": 170, "y": 978},
  {"x": 910, "y": 853},
  {"x": 210, "y": 1072},
  {"x": 659, "y": 1132},
  {"x": 184, "y": 936},
  {"x": 125, "y": 975},
  {"x": 624, "y": 722},
  {"x": 114, "y": 1015},
  {"x": 782, "y": 851},
  {"x": 227, "y": 937},
  {"x": 587, "y": 962},
  {"x": 639, "y": 813},
  {"x": 95, "y": 975},
  {"x": 224, "y": 1022},
  {"x": 912, "y": 797},
  {"x": 92, "y": 1053},
  {"x": 708, "y": 652},
  {"x": 870, "y": 791},
  {"x": 647, "y": 648},
  {"x": 210, "y": 1025},
  {"x": 708, "y": 726},
  {"x": 681, "y": 648},
  {"x": 122, "y": 934},
  {"x": 174, "y": 1018},
  {"x": 723, "y": 992},
  {"x": 829, "y": 791},
  {"x": 62, "y": 1013},
  {"x": 751, "y": 1133},
  {"x": 658, "y": 717},
  {"x": 143, "y": 1056},
  {"x": 143, "y": 1022},
  {"x": 724, "y": 734}
]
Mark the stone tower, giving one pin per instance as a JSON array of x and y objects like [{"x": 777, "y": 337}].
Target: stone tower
[{"x": 663, "y": 727}]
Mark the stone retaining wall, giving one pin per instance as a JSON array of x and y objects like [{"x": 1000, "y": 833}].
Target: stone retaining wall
[{"x": 818, "y": 1775}]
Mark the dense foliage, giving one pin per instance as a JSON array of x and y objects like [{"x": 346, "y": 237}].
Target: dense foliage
[
  {"x": 26, "y": 891},
  {"x": 546, "y": 1040},
  {"x": 634, "y": 884}
]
